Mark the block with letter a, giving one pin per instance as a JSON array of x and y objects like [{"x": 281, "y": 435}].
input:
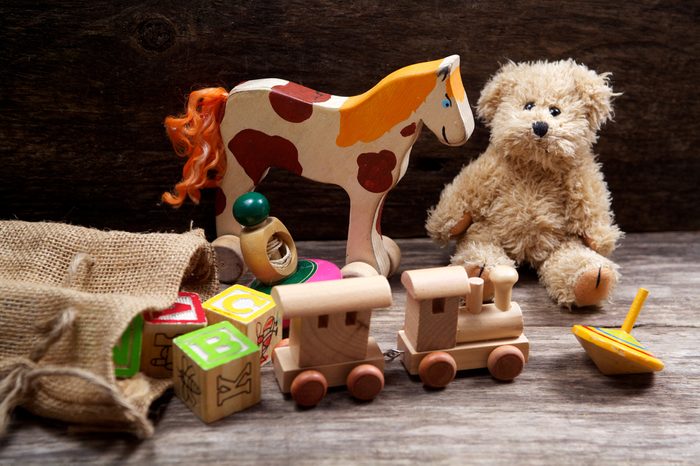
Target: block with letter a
[{"x": 160, "y": 327}]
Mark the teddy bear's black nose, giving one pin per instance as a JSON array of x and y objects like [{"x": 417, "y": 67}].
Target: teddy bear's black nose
[{"x": 540, "y": 128}]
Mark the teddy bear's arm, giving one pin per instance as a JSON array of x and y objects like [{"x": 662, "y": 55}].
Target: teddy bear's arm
[
  {"x": 460, "y": 202},
  {"x": 588, "y": 213}
]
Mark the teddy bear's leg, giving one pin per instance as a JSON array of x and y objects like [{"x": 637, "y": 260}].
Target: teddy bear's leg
[
  {"x": 479, "y": 258},
  {"x": 575, "y": 275}
]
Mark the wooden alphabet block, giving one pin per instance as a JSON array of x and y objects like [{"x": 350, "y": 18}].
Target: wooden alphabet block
[
  {"x": 127, "y": 353},
  {"x": 252, "y": 312},
  {"x": 159, "y": 329},
  {"x": 216, "y": 371}
]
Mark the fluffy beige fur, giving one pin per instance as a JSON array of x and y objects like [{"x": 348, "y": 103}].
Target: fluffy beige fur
[{"x": 535, "y": 198}]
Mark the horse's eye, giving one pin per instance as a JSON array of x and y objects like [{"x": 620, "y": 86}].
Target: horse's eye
[
  {"x": 554, "y": 111},
  {"x": 529, "y": 106},
  {"x": 446, "y": 102}
]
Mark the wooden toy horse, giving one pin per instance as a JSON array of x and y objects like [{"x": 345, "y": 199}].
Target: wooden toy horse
[{"x": 359, "y": 143}]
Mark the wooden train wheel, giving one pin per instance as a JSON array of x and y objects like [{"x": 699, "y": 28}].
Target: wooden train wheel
[
  {"x": 365, "y": 382},
  {"x": 437, "y": 369},
  {"x": 506, "y": 362},
  {"x": 309, "y": 388}
]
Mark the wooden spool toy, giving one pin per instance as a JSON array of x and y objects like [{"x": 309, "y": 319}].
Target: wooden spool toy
[
  {"x": 269, "y": 251},
  {"x": 615, "y": 351},
  {"x": 268, "y": 248}
]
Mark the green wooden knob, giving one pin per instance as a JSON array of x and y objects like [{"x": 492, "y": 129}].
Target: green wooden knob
[{"x": 251, "y": 209}]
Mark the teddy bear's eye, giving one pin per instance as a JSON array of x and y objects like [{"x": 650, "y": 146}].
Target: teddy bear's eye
[
  {"x": 529, "y": 106},
  {"x": 554, "y": 111}
]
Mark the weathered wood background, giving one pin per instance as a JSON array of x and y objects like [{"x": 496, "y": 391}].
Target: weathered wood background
[{"x": 84, "y": 87}]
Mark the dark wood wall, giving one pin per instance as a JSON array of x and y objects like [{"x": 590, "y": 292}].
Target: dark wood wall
[{"x": 85, "y": 87}]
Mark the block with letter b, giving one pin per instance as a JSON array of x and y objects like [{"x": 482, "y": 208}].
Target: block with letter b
[
  {"x": 252, "y": 312},
  {"x": 216, "y": 371}
]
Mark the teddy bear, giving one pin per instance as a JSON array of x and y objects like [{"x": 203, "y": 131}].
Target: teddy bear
[{"x": 537, "y": 194}]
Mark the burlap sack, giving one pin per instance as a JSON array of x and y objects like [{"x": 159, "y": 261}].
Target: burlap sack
[{"x": 66, "y": 295}]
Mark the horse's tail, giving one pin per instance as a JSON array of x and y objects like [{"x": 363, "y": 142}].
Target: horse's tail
[{"x": 196, "y": 135}]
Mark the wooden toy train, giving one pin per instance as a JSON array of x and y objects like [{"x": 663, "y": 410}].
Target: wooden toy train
[
  {"x": 441, "y": 337},
  {"x": 329, "y": 342}
]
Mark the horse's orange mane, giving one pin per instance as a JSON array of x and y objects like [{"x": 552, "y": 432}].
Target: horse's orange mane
[
  {"x": 196, "y": 135},
  {"x": 368, "y": 116}
]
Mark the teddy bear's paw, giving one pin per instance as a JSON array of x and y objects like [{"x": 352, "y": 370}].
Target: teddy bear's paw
[
  {"x": 593, "y": 286},
  {"x": 461, "y": 226},
  {"x": 438, "y": 227}
]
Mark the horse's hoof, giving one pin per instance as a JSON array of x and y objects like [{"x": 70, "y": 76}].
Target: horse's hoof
[
  {"x": 394, "y": 254},
  {"x": 229, "y": 258},
  {"x": 358, "y": 269}
]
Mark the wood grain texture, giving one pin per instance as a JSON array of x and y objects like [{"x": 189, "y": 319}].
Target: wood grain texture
[
  {"x": 560, "y": 410},
  {"x": 84, "y": 88}
]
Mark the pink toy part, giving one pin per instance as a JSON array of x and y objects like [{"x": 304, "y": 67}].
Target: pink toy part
[
  {"x": 308, "y": 270},
  {"x": 326, "y": 271}
]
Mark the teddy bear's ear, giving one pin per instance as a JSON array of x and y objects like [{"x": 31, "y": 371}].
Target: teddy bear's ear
[
  {"x": 496, "y": 88},
  {"x": 597, "y": 95}
]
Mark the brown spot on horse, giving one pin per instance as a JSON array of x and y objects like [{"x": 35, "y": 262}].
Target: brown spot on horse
[
  {"x": 374, "y": 173},
  {"x": 256, "y": 152},
  {"x": 294, "y": 102}
]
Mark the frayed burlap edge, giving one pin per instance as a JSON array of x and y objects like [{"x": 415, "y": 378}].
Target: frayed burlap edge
[{"x": 49, "y": 374}]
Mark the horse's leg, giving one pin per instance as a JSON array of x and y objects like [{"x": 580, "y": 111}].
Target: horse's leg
[
  {"x": 394, "y": 253},
  {"x": 392, "y": 249},
  {"x": 364, "y": 241},
  {"x": 227, "y": 246}
]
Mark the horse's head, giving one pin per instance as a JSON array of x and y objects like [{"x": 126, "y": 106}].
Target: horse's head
[{"x": 446, "y": 110}]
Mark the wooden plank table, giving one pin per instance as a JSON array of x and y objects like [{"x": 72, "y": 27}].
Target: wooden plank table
[{"x": 560, "y": 409}]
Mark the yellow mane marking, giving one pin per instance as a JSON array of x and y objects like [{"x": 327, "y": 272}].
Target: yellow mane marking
[
  {"x": 455, "y": 88},
  {"x": 368, "y": 116}
]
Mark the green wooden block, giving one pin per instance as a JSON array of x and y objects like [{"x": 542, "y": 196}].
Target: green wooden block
[
  {"x": 216, "y": 371},
  {"x": 127, "y": 354},
  {"x": 215, "y": 345}
]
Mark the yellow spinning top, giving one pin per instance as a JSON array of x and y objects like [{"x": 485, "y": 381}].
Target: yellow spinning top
[{"x": 615, "y": 351}]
